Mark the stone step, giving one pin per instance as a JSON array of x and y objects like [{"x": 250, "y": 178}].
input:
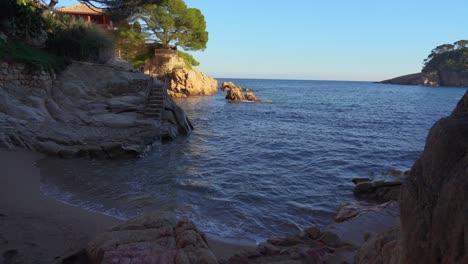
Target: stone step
[{"x": 155, "y": 104}]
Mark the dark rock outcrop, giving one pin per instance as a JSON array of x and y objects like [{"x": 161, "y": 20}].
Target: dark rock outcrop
[
  {"x": 378, "y": 190},
  {"x": 434, "y": 198}
]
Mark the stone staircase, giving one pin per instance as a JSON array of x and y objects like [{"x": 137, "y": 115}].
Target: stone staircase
[{"x": 155, "y": 96}]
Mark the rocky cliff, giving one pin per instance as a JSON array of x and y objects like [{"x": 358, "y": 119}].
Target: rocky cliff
[
  {"x": 435, "y": 78},
  {"x": 87, "y": 110},
  {"x": 434, "y": 199},
  {"x": 184, "y": 81},
  {"x": 188, "y": 82}
]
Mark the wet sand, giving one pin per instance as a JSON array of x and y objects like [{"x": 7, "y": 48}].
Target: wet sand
[{"x": 37, "y": 229}]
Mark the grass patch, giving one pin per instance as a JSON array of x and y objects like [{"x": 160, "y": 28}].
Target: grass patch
[{"x": 21, "y": 53}]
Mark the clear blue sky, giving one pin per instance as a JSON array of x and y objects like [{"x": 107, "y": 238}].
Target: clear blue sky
[{"x": 325, "y": 40}]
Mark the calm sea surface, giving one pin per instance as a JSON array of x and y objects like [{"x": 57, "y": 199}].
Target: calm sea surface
[{"x": 253, "y": 170}]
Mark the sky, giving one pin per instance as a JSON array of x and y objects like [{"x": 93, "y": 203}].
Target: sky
[{"x": 366, "y": 40}]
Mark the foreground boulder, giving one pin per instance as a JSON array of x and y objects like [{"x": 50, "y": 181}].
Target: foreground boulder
[
  {"x": 434, "y": 198},
  {"x": 151, "y": 239},
  {"x": 189, "y": 82},
  {"x": 310, "y": 246}
]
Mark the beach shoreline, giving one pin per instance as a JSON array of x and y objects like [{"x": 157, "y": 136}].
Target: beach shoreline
[{"x": 35, "y": 228}]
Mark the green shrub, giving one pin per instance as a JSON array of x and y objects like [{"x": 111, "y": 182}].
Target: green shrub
[
  {"x": 19, "y": 52},
  {"x": 190, "y": 61},
  {"x": 78, "y": 40},
  {"x": 21, "y": 18}
]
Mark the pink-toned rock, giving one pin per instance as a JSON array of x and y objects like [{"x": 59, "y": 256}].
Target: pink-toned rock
[{"x": 151, "y": 239}]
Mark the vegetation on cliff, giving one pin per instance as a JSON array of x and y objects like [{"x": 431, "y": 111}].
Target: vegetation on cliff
[
  {"x": 169, "y": 25},
  {"x": 448, "y": 57},
  {"x": 173, "y": 24}
]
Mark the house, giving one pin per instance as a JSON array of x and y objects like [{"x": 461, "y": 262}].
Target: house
[{"x": 89, "y": 14}]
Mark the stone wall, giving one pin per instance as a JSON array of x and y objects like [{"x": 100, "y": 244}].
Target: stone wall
[
  {"x": 164, "y": 62},
  {"x": 14, "y": 75}
]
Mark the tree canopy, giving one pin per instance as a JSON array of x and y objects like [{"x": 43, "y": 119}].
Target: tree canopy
[
  {"x": 173, "y": 24},
  {"x": 116, "y": 8},
  {"x": 452, "y": 57}
]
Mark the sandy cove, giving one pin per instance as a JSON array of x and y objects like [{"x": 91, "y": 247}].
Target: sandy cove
[{"x": 35, "y": 228}]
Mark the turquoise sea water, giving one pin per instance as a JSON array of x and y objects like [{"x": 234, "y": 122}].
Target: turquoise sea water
[{"x": 254, "y": 170}]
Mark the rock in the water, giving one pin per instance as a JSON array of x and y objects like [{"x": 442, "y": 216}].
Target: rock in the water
[
  {"x": 378, "y": 190},
  {"x": 310, "y": 246},
  {"x": 226, "y": 86},
  {"x": 151, "y": 239},
  {"x": 353, "y": 209},
  {"x": 235, "y": 94},
  {"x": 251, "y": 97},
  {"x": 189, "y": 82},
  {"x": 434, "y": 197}
]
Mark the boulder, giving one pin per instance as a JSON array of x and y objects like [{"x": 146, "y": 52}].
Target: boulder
[
  {"x": 251, "y": 97},
  {"x": 434, "y": 197},
  {"x": 353, "y": 209},
  {"x": 226, "y": 86},
  {"x": 310, "y": 246},
  {"x": 378, "y": 190},
  {"x": 189, "y": 82},
  {"x": 155, "y": 238},
  {"x": 380, "y": 248},
  {"x": 235, "y": 94}
]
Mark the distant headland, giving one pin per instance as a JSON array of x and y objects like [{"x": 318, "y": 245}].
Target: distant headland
[{"x": 446, "y": 65}]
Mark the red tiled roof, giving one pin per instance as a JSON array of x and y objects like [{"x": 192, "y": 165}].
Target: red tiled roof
[{"x": 80, "y": 9}]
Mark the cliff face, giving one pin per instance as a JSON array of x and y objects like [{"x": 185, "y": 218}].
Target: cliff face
[
  {"x": 434, "y": 199},
  {"x": 435, "y": 78}
]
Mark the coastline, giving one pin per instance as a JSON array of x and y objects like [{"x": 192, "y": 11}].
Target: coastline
[{"x": 35, "y": 228}]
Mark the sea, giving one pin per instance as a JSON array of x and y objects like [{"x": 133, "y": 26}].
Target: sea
[{"x": 271, "y": 168}]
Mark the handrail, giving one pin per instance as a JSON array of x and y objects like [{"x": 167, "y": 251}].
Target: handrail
[
  {"x": 164, "y": 94},
  {"x": 148, "y": 89}
]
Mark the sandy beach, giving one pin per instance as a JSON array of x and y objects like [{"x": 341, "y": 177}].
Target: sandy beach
[{"x": 37, "y": 229}]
